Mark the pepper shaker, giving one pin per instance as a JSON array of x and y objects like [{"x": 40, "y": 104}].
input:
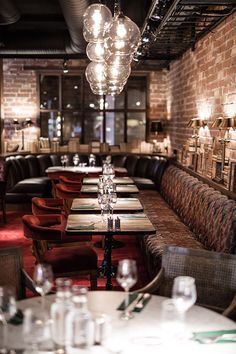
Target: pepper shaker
[{"x": 117, "y": 223}]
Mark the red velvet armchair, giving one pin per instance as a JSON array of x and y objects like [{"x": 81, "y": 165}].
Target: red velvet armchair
[{"x": 51, "y": 245}]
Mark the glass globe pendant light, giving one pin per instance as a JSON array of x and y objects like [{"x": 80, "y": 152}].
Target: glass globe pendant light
[
  {"x": 95, "y": 51},
  {"x": 117, "y": 72},
  {"x": 97, "y": 18},
  {"x": 95, "y": 73},
  {"x": 123, "y": 35}
]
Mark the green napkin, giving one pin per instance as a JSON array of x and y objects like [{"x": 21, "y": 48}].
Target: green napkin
[
  {"x": 81, "y": 227},
  {"x": 85, "y": 206},
  {"x": 132, "y": 297},
  {"x": 17, "y": 319},
  {"x": 216, "y": 334}
]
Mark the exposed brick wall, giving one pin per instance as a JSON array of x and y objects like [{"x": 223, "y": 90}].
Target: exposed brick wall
[
  {"x": 19, "y": 87},
  {"x": 203, "y": 82}
]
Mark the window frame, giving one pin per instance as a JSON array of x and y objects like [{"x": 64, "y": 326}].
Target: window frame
[{"x": 84, "y": 110}]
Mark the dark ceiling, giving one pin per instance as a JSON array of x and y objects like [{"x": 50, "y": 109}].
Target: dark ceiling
[{"x": 53, "y": 28}]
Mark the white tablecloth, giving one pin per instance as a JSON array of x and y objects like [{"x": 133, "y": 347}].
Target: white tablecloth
[{"x": 143, "y": 332}]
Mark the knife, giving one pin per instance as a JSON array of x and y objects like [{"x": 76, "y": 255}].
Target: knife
[{"x": 133, "y": 304}]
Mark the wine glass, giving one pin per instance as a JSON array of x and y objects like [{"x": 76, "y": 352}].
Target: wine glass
[
  {"x": 43, "y": 280},
  {"x": 7, "y": 310},
  {"x": 126, "y": 277},
  {"x": 104, "y": 206},
  {"x": 63, "y": 160},
  {"x": 184, "y": 293},
  {"x": 76, "y": 160},
  {"x": 112, "y": 201}
]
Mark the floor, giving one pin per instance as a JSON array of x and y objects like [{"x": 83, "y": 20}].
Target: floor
[{"x": 12, "y": 235}]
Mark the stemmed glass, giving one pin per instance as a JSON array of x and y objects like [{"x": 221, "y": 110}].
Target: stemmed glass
[
  {"x": 184, "y": 293},
  {"x": 76, "y": 160},
  {"x": 43, "y": 280},
  {"x": 112, "y": 201},
  {"x": 126, "y": 277},
  {"x": 7, "y": 310}
]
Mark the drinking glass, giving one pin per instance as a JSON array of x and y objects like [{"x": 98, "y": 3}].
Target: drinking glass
[
  {"x": 36, "y": 329},
  {"x": 184, "y": 293},
  {"x": 43, "y": 280},
  {"x": 7, "y": 310},
  {"x": 126, "y": 277}
]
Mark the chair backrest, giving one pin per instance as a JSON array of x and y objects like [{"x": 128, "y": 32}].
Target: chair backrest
[
  {"x": 214, "y": 273},
  {"x": 11, "y": 266}
]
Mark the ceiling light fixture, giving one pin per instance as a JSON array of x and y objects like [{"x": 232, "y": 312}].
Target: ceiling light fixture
[
  {"x": 112, "y": 44},
  {"x": 65, "y": 67}
]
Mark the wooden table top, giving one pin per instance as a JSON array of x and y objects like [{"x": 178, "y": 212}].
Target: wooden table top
[
  {"x": 85, "y": 205},
  {"x": 116, "y": 180},
  {"x": 137, "y": 223},
  {"x": 126, "y": 188}
]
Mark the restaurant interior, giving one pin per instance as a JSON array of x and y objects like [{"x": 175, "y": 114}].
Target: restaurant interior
[{"x": 117, "y": 176}]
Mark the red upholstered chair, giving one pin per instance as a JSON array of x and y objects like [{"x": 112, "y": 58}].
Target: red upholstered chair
[
  {"x": 70, "y": 182},
  {"x": 67, "y": 193},
  {"x": 3, "y": 189},
  {"x": 51, "y": 245},
  {"x": 42, "y": 206}
]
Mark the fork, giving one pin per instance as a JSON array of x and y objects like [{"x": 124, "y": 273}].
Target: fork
[{"x": 140, "y": 304}]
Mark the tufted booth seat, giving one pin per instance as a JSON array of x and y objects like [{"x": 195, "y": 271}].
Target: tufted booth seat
[
  {"x": 187, "y": 213},
  {"x": 27, "y": 177}
]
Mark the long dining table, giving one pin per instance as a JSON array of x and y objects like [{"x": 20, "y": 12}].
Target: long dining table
[
  {"x": 91, "y": 205},
  {"x": 145, "y": 332},
  {"x": 137, "y": 224},
  {"x": 123, "y": 189}
]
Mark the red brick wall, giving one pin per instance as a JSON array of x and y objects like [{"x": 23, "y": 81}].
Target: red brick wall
[
  {"x": 203, "y": 82},
  {"x": 19, "y": 87}
]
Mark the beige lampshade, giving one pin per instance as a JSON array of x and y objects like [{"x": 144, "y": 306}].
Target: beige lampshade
[
  {"x": 228, "y": 122},
  {"x": 217, "y": 122},
  {"x": 196, "y": 123}
]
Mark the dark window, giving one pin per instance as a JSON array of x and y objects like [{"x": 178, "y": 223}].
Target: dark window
[{"x": 69, "y": 109}]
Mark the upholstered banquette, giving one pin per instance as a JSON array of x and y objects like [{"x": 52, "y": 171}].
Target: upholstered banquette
[
  {"x": 26, "y": 176},
  {"x": 188, "y": 213}
]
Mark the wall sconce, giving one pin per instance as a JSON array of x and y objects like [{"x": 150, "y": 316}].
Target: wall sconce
[
  {"x": 226, "y": 123},
  {"x": 65, "y": 67},
  {"x": 196, "y": 124},
  {"x": 156, "y": 128}
]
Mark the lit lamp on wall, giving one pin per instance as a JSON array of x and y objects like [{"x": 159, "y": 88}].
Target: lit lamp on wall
[
  {"x": 196, "y": 124},
  {"x": 156, "y": 128},
  {"x": 227, "y": 123}
]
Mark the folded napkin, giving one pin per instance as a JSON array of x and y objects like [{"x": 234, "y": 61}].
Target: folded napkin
[
  {"x": 132, "y": 297},
  {"x": 17, "y": 319},
  {"x": 85, "y": 206},
  {"x": 81, "y": 227},
  {"x": 200, "y": 335}
]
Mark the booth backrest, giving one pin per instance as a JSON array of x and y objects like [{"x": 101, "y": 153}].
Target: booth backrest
[
  {"x": 130, "y": 164},
  {"x": 208, "y": 213}
]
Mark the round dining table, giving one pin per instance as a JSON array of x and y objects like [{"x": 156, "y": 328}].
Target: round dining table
[{"x": 144, "y": 332}]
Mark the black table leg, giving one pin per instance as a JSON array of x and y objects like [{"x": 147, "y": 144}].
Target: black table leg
[{"x": 107, "y": 260}]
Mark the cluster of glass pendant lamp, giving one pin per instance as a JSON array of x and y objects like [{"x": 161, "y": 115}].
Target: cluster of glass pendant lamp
[{"x": 112, "y": 42}]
